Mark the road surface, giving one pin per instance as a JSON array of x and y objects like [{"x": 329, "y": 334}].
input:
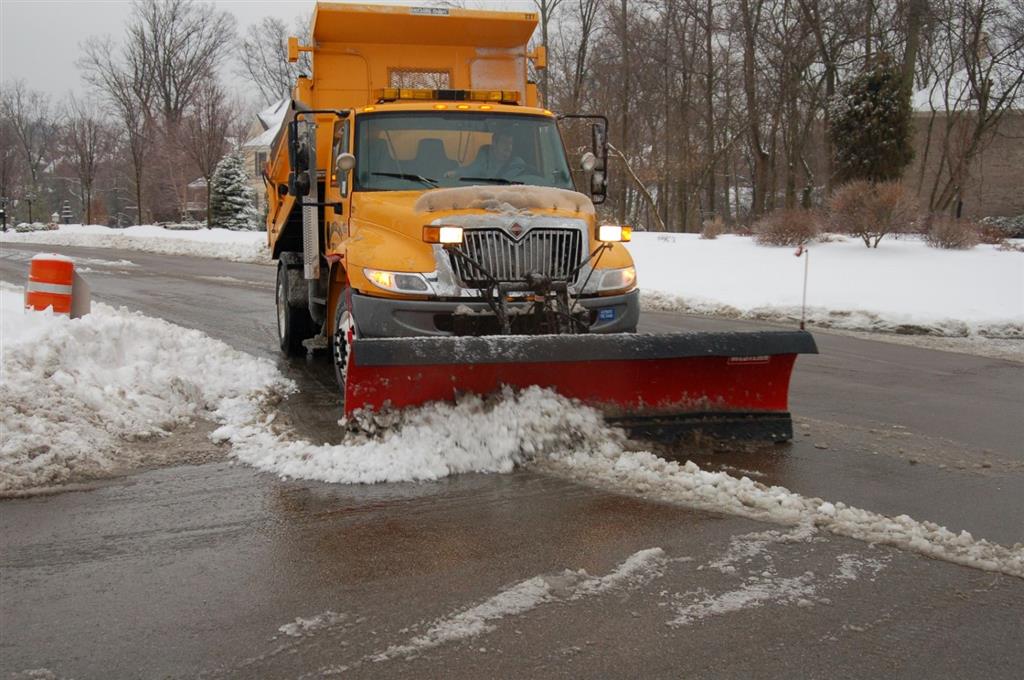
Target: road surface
[{"x": 212, "y": 569}]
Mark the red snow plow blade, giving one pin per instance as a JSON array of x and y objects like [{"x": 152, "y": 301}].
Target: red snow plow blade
[{"x": 726, "y": 385}]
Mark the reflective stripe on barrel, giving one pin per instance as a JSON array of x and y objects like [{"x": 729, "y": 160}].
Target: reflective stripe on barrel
[{"x": 50, "y": 282}]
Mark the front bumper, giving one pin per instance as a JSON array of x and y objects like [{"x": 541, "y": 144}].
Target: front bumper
[{"x": 390, "y": 318}]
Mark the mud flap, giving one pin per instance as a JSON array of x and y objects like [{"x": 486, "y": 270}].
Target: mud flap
[{"x": 656, "y": 386}]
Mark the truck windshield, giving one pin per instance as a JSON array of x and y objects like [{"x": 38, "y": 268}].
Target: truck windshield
[{"x": 421, "y": 150}]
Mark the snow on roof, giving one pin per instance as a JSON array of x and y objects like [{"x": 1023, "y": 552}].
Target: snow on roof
[
  {"x": 273, "y": 114},
  {"x": 271, "y": 119},
  {"x": 957, "y": 94}
]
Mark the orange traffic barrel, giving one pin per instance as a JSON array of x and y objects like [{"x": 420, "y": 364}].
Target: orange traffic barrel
[{"x": 50, "y": 282}]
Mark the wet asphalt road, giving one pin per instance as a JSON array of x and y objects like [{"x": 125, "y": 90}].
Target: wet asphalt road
[{"x": 191, "y": 570}]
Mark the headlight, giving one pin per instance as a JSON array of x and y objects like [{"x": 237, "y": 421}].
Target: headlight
[
  {"x": 398, "y": 282},
  {"x": 618, "y": 279}
]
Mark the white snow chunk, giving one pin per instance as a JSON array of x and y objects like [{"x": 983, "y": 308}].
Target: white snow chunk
[{"x": 301, "y": 627}]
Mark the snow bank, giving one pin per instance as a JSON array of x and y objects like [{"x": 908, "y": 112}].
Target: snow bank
[
  {"x": 902, "y": 286},
  {"x": 72, "y": 391},
  {"x": 238, "y": 246}
]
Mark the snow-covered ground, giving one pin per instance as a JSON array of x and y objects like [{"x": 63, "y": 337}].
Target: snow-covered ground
[
  {"x": 75, "y": 392},
  {"x": 238, "y": 246},
  {"x": 903, "y": 286}
]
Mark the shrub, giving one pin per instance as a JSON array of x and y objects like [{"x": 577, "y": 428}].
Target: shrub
[
  {"x": 949, "y": 233},
  {"x": 872, "y": 211},
  {"x": 787, "y": 228},
  {"x": 712, "y": 229},
  {"x": 990, "y": 234},
  {"x": 1009, "y": 227}
]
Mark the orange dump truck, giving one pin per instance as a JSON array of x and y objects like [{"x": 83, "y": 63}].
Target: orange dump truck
[{"x": 428, "y": 231}]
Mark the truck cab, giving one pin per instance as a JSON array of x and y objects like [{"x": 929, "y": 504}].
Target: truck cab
[{"x": 399, "y": 209}]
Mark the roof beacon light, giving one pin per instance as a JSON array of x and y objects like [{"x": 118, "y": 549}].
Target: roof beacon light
[{"x": 391, "y": 94}]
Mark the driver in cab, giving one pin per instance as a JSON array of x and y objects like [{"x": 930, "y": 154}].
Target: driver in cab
[{"x": 494, "y": 161}]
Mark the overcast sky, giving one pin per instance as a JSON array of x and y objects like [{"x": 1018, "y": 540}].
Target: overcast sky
[{"x": 39, "y": 39}]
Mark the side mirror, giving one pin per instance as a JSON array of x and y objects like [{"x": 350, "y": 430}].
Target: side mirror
[
  {"x": 588, "y": 162},
  {"x": 345, "y": 162},
  {"x": 301, "y": 157}
]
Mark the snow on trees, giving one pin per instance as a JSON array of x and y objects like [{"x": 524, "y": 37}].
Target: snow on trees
[{"x": 232, "y": 200}]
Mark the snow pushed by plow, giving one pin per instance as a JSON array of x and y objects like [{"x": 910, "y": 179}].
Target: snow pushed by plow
[{"x": 74, "y": 392}]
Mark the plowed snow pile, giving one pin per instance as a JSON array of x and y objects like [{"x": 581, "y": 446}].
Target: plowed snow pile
[{"x": 72, "y": 392}]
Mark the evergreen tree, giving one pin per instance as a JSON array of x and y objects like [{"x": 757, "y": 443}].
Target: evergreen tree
[
  {"x": 871, "y": 125},
  {"x": 232, "y": 200}
]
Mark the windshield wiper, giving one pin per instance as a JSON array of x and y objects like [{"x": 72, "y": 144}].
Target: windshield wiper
[
  {"x": 405, "y": 175},
  {"x": 496, "y": 180}
]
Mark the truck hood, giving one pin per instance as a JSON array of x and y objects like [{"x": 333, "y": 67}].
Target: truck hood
[
  {"x": 407, "y": 211},
  {"x": 506, "y": 200}
]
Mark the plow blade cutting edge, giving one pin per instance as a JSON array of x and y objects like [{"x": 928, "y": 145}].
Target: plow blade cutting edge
[{"x": 725, "y": 385}]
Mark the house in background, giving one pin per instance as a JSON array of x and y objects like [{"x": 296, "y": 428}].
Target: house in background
[
  {"x": 262, "y": 134},
  {"x": 945, "y": 118}
]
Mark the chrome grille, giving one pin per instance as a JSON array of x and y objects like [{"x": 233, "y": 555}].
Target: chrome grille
[{"x": 554, "y": 252}]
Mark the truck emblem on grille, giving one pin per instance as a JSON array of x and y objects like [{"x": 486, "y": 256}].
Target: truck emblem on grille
[{"x": 516, "y": 229}]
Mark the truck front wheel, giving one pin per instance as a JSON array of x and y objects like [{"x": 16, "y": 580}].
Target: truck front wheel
[
  {"x": 344, "y": 332},
  {"x": 293, "y": 322}
]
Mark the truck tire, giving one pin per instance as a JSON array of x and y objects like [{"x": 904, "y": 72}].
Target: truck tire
[
  {"x": 343, "y": 324},
  {"x": 293, "y": 322}
]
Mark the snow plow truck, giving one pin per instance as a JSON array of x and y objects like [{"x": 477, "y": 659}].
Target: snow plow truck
[{"x": 429, "y": 232}]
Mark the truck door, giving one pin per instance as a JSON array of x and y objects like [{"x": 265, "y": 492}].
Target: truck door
[{"x": 338, "y": 189}]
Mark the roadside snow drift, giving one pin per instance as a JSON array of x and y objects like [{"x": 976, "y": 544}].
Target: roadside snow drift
[
  {"x": 902, "y": 286},
  {"x": 238, "y": 246},
  {"x": 71, "y": 391}
]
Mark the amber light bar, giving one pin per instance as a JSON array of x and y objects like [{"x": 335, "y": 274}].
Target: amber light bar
[{"x": 390, "y": 94}]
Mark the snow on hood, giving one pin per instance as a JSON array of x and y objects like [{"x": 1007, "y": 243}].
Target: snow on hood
[{"x": 504, "y": 199}]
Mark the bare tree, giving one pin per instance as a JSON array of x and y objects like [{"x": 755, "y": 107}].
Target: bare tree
[
  {"x": 186, "y": 42},
  {"x": 981, "y": 78},
  {"x": 126, "y": 83},
  {"x": 547, "y": 10},
  {"x": 263, "y": 56},
  {"x": 8, "y": 155},
  {"x": 206, "y": 129},
  {"x": 32, "y": 121},
  {"x": 86, "y": 140}
]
